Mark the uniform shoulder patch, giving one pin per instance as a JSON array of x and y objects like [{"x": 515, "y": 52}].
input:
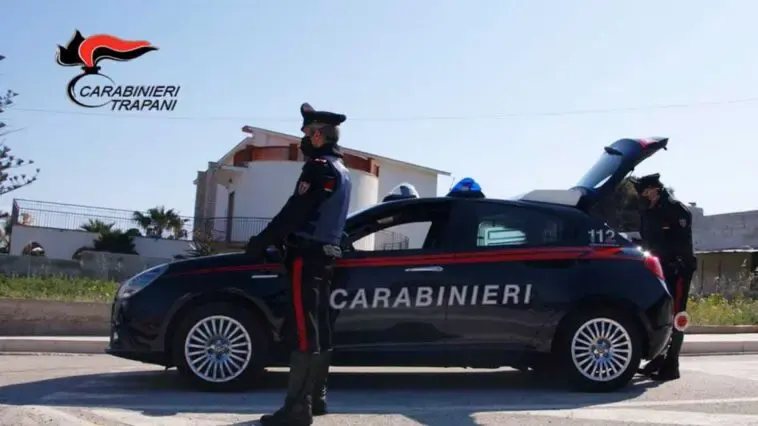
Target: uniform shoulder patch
[{"x": 683, "y": 222}]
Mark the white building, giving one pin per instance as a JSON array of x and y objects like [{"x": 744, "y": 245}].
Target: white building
[{"x": 239, "y": 193}]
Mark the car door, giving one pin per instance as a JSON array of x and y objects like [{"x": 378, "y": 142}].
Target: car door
[
  {"x": 385, "y": 296},
  {"x": 512, "y": 266}
]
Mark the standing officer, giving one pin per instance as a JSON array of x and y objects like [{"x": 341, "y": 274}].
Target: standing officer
[
  {"x": 310, "y": 226},
  {"x": 667, "y": 233}
]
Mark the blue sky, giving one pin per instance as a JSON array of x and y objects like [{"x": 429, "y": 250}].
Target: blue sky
[{"x": 493, "y": 66}]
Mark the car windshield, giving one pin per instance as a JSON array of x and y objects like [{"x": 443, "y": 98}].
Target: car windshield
[{"x": 602, "y": 170}]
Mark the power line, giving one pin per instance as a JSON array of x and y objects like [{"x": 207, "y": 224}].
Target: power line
[{"x": 501, "y": 116}]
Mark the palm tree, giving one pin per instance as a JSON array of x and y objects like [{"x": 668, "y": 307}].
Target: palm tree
[
  {"x": 158, "y": 221},
  {"x": 98, "y": 226}
]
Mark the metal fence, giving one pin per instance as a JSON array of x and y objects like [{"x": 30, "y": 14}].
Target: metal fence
[
  {"x": 230, "y": 230},
  {"x": 47, "y": 214},
  {"x": 390, "y": 240}
]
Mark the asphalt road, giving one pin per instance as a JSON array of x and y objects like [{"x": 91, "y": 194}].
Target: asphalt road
[{"x": 85, "y": 390}]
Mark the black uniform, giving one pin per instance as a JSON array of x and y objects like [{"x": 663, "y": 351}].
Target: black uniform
[
  {"x": 310, "y": 228},
  {"x": 667, "y": 232}
]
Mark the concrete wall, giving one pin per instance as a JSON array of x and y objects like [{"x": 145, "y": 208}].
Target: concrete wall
[
  {"x": 97, "y": 265},
  {"x": 63, "y": 243},
  {"x": 725, "y": 272},
  {"x": 51, "y": 318},
  {"x": 725, "y": 231}
]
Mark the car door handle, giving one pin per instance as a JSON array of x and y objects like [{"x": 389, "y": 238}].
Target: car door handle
[
  {"x": 425, "y": 269},
  {"x": 264, "y": 276}
]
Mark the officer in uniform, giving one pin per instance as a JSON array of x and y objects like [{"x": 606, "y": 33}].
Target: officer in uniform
[
  {"x": 667, "y": 232},
  {"x": 310, "y": 227}
]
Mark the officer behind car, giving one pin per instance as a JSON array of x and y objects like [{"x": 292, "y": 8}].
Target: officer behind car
[
  {"x": 310, "y": 227},
  {"x": 667, "y": 232}
]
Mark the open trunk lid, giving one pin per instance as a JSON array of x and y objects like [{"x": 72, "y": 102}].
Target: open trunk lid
[{"x": 615, "y": 163}]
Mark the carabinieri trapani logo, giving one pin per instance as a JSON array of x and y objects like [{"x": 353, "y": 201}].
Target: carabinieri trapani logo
[{"x": 85, "y": 90}]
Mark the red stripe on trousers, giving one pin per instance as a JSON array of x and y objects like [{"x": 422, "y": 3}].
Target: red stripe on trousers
[
  {"x": 297, "y": 301},
  {"x": 678, "y": 296}
]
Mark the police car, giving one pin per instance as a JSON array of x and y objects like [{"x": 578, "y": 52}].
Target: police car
[{"x": 533, "y": 282}]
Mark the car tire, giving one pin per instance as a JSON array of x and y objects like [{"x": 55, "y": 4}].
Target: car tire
[
  {"x": 618, "y": 338},
  {"x": 227, "y": 336}
]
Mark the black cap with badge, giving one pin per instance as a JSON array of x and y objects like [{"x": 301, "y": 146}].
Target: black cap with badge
[
  {"x": 649, "y": 181},
  {"x": 311, "y": 116}
]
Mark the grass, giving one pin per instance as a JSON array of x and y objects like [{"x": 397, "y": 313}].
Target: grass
[
  {"x": 710, "y": 310},
  {"x": 718, "y": 310},
  {"x": 58, "y": 288}
]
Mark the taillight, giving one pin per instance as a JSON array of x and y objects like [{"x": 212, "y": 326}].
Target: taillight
[{"x": 654, "y": 265}]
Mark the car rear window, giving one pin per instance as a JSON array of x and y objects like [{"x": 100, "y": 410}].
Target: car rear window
[{"x": 501, "y": 225}]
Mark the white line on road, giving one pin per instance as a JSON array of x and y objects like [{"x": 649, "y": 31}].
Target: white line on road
[
  {"x": 135, "y": 418},
  {"x": 59, "y": 417},
  {"x": 247, "y": 407},
  {"x": 646, "y": 416}
]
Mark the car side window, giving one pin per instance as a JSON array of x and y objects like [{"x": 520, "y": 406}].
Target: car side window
[
  {"x": 501, "y": 225},
  {"x": 412, "y": 228}
]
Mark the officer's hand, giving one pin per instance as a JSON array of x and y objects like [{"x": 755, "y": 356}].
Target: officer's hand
[{"x": 254, "y": 247}]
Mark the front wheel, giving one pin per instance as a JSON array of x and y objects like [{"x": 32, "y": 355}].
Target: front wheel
[
  {"x": 599, "y": 351},
  {"x": 220, "y": 347}
]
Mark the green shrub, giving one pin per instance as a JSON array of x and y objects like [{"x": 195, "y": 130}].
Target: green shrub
[{"x": 715, "y": 309}]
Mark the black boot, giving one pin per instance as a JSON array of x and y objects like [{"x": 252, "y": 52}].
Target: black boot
[
  {"x": 652, "y": 367},
  {"x": 320, "y": 376},
  {"x": 297, "y": 406},
  {"x": 668, "y": 371}
]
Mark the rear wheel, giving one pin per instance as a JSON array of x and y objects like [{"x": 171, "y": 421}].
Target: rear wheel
[
  {"x": 599, "y": 351},
  {"x": 220, "y": 347}
]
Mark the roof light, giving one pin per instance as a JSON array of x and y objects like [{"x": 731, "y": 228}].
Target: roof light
[
  {"x": 466, "y": 187},
  {"x": 401, "y": 192}
]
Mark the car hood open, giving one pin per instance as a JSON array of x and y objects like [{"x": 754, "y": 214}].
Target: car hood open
[{"x": 615, "y": 163}]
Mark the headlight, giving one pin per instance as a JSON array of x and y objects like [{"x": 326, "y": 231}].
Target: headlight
[{"x": 140, "y": 281}]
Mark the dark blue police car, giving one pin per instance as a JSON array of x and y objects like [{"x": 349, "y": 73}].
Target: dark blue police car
[{"x": 532, "y": 282}]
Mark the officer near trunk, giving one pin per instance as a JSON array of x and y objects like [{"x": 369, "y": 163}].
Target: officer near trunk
[
  {"x": 310, "y": 227},
  {"x": 667, "y": 232}
]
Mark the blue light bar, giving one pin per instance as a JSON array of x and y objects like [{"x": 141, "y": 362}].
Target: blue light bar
[{"x": 466, "y": 187}]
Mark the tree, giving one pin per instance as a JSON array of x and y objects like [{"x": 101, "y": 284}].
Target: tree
[
  {"x": 158, "y": 221},
  {"x": 111, "y": 241},
  {"x": 201, "y": 245},
  {"x": 97, "y": 226},
  {"x": 621, "y": 211},
  {"x": 12, "y": 177}
]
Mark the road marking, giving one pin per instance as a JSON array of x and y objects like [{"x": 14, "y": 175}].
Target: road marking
[
  {"x": 246, "y": 407},
  {"x": 644, "y": 416},
  {"x": 135, "y": 418},
  {"x": 59, "y": 417}
]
